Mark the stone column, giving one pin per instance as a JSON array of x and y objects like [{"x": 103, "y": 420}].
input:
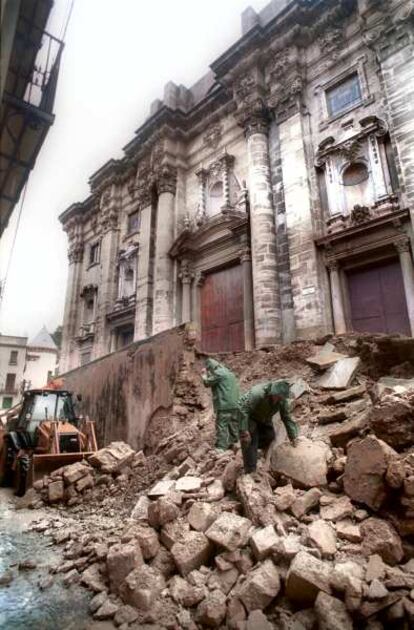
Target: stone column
[
  {"x": 107, "y": 290},
  {"x": 334, "y": 191},
  {"x": 246, "y": 262},
  {"x": 263, "y": 237},
  {"x": 202, "y": 179},
  {"x": 186, "y": 277},
  {"x": 337, "y": 300},
  {"x": 71, "y": 305},
  {"x": 407, "y": 269},
  {"x": 143, "y": 309},
  {"x": 164, "y": 237}
]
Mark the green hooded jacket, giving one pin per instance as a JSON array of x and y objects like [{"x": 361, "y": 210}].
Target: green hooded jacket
[
  {"x": 256, "y": 405},
  {"x": 224, "y": 386}
]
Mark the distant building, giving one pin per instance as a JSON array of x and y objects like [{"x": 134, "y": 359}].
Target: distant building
[
  {"x": 12, "y": 366},
  {"x": 25, "y": 365},
  {"x": 29, "y": 68},
  {"x": 272, "y": 200}
]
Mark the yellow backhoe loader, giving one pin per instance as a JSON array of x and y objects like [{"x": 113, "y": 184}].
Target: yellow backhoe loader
[{"x": 47, "y": 433}]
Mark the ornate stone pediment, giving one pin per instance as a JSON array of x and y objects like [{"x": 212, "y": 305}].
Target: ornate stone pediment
[{"x": 193, "y": 239}]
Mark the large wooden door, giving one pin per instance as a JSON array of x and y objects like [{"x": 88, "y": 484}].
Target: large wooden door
[
  {"x": 377, "y": 299},
  {"x": 222, "y": 319}
]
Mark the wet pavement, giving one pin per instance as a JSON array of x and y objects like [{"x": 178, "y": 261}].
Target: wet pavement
[{"x": 22, "y": 603}]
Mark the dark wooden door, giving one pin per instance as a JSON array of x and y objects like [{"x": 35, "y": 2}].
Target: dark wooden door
[
  {"x": 377, "y": 299},
  {"x": 222, "y": 320}
]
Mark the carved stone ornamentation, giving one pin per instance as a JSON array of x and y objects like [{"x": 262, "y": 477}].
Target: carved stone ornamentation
[
  {"x": 331, "y": 43},
  {"x": 166, "y": 179},
  {"x": 276, "y": 68},
  {"x": 360, "y": 214},
  {"x": 245, "y": 87},
  {"x": 213, "y": 135},
  {"x": 75, "y": 252},
  {"x": 186, "y": 274},
  {"x": 402, "y": 245}
]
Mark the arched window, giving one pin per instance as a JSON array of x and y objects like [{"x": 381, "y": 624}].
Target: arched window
[
  {"x": 215, "y": 198},
  {"x": 355, "y": 179}
]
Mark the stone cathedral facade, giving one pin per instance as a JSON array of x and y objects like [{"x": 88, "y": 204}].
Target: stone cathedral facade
[{"x": 273, "y": 200}]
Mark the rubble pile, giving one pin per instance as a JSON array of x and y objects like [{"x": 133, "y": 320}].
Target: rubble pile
[{"x": 321, "y": 536}]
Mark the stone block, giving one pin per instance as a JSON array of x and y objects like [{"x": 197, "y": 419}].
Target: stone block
[
  {"x": 380, "y": 537},
  {"x": 106, "y": 611},
  {"x": 55, "y": 491},
  {"x": 223, "y": 580},
  {"x": 92, "y": 578},
  {"x": 307, "y": 576},
  {"x": 340, "y": 375},
  {"x": 229, "y": 531},
  {"x": 284, "y": 497},
  {"x": 324, "y": 360},
  {"x": 161, "y": 488},
  {"x": 215, "y": 490},
  {"x": 121, "y": 560},
  {"x": 148, "y": 541},
  {"x": 162, "y": 511},
  {"x": 323, "y": 537},
  {"x": 347, "y": 530},
  {"x": 260, "y": 587},
  {"x": 345, "y": 396},
  {"x": 236, "y": 614},
  {"x": 306, "y": 502},
  {"x": 188, "y": 484},
  {"x": 263, "y": 542},
  {"x": 74, "y": 472},
  {"x": 337, "y": 510},
  {"x": 125, "y": 614},
  {"x": 84, "y": 483},
  {"x": 258, "y": 621},
  {"x": 332, "y": 613},
  {"x": 140, "y": 511},
  {"x": 190, "y": 554},
  {"x": 113, "y": 457},
  {"x": 377, "y": 590},
  {"x": 305, "y": 464},
  {"x": 173, "y": 532},
  {"x": 365, "y": 468},
  {"x": 201, "y": 516},
  {"x": 340, "y": 436},
  {"x": 230, "y": 474},
  {"x": 141, "y": 587},
  {"x": 184, "y": 593},
  {"x": 376, "y": 568},
  {"x": 212, "y": 610}
]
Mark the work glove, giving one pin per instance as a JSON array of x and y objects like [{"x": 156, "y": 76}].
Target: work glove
[{"x": 245, "y": 438}]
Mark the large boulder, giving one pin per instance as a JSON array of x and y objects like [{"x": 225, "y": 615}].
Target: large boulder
[
  {"x": 364, "y": 477},
  {"x": 306, "y": 577},
  {"x": 392, "y": 421},
  {"x": 305, "y": 464},
  {"x": 379, "y": 537},
  {"x": 113, "y": 457},
  {"x": 212, "y": 610}
]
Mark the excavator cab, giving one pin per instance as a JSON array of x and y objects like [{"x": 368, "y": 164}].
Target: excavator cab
[{"x": 48, "y": 433}]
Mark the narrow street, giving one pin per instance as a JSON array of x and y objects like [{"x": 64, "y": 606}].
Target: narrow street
[{"x": 23, "y": 604}]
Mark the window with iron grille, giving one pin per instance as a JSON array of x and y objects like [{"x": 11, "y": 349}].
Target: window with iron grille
[{"x": 343, "y": 95}]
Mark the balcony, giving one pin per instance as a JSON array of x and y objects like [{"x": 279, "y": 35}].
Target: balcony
[{"x": 28, "y": 89}]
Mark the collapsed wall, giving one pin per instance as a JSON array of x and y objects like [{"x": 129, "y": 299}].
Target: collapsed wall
[{"x": 127, "y": 390}]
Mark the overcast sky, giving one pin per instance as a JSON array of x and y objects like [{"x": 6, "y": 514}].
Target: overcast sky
[{"x": 118, "y": 56}]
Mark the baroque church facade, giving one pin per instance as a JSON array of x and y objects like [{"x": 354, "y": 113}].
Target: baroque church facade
[{"x": 273, "y": 200}]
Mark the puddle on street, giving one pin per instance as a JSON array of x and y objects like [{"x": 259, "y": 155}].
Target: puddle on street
[{"x": 22, "y": 603}]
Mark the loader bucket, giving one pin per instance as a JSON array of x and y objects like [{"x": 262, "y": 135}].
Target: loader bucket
[{"x": 46, "y": 464}]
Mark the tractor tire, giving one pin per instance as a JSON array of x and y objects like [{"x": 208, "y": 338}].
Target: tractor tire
[
  {"x": 6, "y": 464},
  {"x": 22, "y": 472}
]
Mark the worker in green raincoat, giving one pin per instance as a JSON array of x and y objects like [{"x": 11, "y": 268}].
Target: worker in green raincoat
[
  {"x": 226, "y": 392},
  {"x": 256, "y": 410}
]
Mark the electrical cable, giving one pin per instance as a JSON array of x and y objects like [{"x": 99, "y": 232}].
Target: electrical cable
[
  {"x": 3, "y": 287},
  {"x": 65, "y": 28}
]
